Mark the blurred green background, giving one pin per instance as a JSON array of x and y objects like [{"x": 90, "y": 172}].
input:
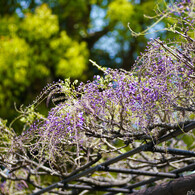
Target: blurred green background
[{"x": 44, "y": 41}]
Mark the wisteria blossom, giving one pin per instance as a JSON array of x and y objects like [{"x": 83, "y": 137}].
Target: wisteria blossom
[{"x": 105, "y": 115}]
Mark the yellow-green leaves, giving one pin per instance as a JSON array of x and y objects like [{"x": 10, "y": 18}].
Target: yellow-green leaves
[
  {"x": 32, "y": 52},
  {"x": 120, "y": 10},
  {"x": 192, "y": 116},
  {"x": 73, "y": 56},
  {"x": 189, "y": 140},
  {"x": 14, "y": 62},
  {"x": 30, "y": 115},
  {"x": 41, "y": 25}
]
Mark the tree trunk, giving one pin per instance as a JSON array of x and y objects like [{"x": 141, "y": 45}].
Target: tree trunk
[{"x": 181, "y": 186}]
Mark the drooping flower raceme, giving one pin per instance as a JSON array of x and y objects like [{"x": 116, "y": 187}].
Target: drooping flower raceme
[{"x": 120, "y": 104}]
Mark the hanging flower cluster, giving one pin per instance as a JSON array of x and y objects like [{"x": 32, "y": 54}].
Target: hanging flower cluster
[{"x": 120, "y": 104}]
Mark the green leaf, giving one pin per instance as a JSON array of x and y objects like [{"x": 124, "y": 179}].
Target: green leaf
[{"x": 188, "y": 140}]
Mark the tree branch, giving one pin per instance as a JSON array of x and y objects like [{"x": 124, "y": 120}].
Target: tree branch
[{"x": 181, "y": 186}]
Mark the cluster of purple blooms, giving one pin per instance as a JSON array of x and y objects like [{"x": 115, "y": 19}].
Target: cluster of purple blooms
[{"x": 119, "y": 102}]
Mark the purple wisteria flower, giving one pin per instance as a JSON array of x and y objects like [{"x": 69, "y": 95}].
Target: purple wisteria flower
[{"x": 119, "y": 104}]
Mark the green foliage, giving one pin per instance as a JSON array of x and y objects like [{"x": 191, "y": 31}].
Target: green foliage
[
  {"x": 40, "y": 25},
  {"x": 14, "y": 64},
  {"x": 122, "y": 9},
  {"x": 188, "y": 140},
  {"x": 72, "y": 61},
  {"x": 33, "y": 49}
]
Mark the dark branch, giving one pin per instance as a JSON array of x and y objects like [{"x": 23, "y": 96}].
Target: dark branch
[{"x": 182, "y": 186}]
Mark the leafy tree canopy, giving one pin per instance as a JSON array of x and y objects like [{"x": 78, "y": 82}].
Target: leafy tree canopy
[{"x": 34, "y": 51}]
